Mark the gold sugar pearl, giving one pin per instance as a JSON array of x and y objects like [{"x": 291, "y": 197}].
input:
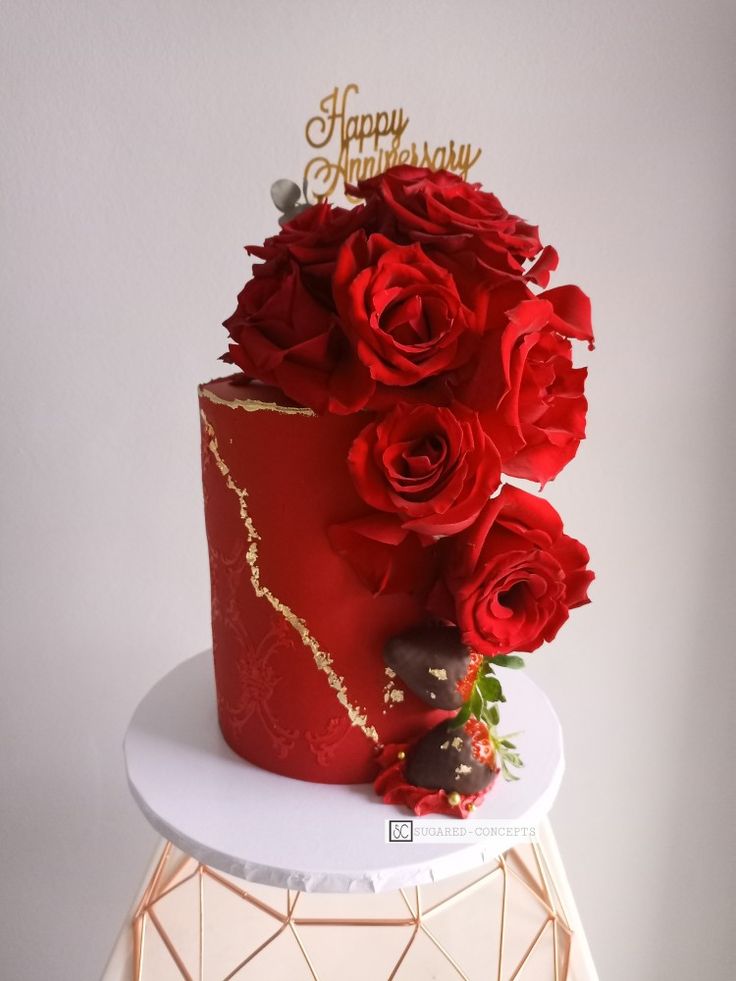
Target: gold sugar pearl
[
  {"x": 470, "y": 806},
  {"x": 401, "y": 755},
  {"x": 453, "y": 799}
]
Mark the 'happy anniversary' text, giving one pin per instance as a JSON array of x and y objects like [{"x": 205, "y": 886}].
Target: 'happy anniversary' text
[{"x": 358, "y": 146}]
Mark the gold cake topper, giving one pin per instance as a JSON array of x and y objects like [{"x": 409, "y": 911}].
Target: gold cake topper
[{"x": 357, "y": 146}]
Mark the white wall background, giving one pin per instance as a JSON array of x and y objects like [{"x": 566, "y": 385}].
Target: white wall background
[{"x": 139, "y": 141}]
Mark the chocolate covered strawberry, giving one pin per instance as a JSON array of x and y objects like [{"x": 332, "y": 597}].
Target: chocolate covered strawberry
[
  {"x": 457, "y": 759},
  {"x": 433, "y": 662}
]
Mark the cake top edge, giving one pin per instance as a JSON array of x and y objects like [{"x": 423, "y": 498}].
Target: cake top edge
[{"x": 236, "y": 393}]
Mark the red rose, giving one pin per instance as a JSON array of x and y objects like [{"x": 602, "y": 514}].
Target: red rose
[
  {"x": 384, "y": 556},
  {"x": 312, "y": 240},
  {"x": 402, "y": 313},
  {"x": 433, "y": 467},
  {"x": 511, "y": 579},
  {"x": 450, "y": 216},
  {"x": 284, "y": 336},
  {"x": 530, "y": 397}
]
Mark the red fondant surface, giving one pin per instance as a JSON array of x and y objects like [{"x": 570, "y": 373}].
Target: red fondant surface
[{"x": 276, "y": 707}]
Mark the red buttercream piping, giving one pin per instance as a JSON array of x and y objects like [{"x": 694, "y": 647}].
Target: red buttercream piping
[{"x": 392, "y": 785}]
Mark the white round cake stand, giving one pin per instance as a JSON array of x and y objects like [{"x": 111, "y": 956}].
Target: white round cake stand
[{"x": 273, "y": 830}]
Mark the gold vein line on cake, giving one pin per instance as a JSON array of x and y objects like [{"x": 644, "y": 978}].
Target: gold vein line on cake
[
  {"x": 254, "y": 405},
  {"x": 322, "y": 659}
]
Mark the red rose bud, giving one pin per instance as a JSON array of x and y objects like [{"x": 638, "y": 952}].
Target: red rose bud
[
  {"x": 511, "y": 579},
  {"x": 434, "y": 467}
]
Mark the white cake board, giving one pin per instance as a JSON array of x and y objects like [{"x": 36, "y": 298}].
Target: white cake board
[{"x": 311, "y": 837}]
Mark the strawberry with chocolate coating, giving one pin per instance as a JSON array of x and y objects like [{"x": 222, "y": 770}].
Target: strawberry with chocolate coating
[
  {"x": 433, "y": 663},
  {"x": 460, "y": 759}
]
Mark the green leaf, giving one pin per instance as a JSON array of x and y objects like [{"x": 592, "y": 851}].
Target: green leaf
[
  {"x": 486, "y": 716},
  {"x": 507, "y": 774},
  {"x": 494, "y": 715},
  {"x": 462, "y": 717},
  {"x": 509, "y": 661},
  {"x": 507, "y": 743},
  {"x": 490, "y": 688},
  {"x": 476, "y": 703}
]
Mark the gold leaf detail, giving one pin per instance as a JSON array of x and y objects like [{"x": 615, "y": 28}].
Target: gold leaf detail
[
  {"x": 322, "y": 659},
  {"x": 392, "y": 694},
  {"x": 254, "y": 405}
]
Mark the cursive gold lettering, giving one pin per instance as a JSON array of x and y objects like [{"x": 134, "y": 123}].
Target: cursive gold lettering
[{"x": 356, "y": 146}]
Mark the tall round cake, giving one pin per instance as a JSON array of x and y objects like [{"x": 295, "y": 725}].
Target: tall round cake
[{"x": 371, "y": 567}]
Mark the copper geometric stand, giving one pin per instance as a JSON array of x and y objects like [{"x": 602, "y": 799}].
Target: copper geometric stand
[{"x": 502, "y": 921}]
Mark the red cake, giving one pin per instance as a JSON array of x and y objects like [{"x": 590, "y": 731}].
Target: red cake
[
  {"x": 370, "y": 568},
  {"x": 298, "y": 640}
]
